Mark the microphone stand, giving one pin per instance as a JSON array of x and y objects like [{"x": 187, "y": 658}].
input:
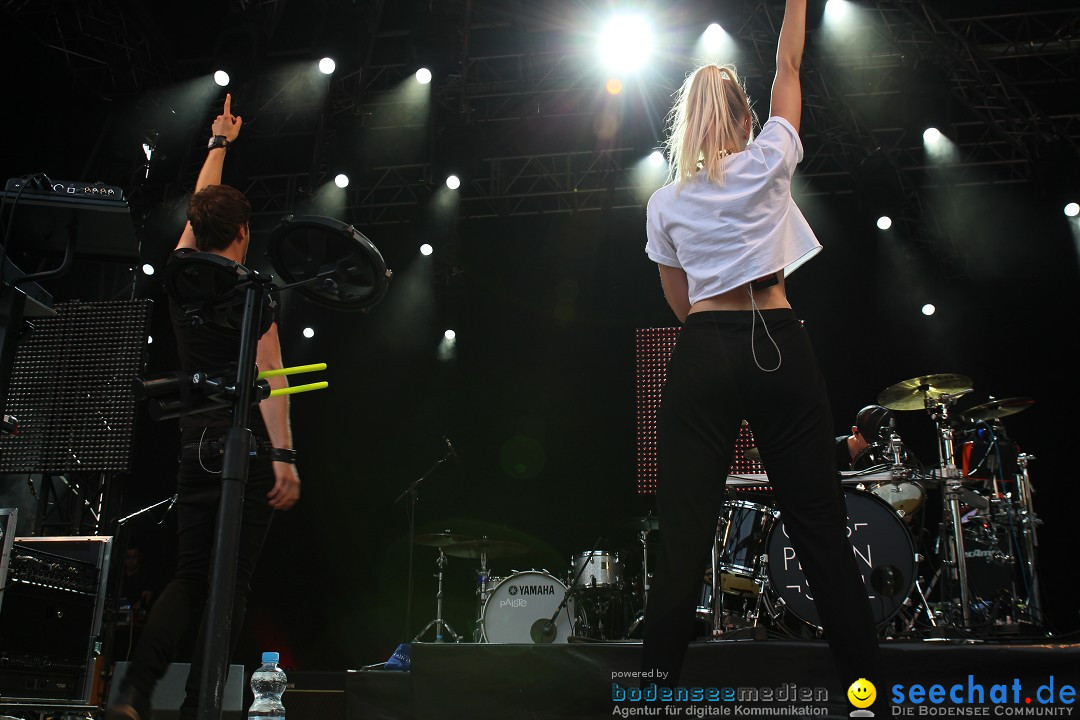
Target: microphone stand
[
  {"x": 543, "y": 631},
  {"x": 411, "y": 494}
]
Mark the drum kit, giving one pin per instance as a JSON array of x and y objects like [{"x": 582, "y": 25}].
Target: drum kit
[{"x": 975, "y": 575}]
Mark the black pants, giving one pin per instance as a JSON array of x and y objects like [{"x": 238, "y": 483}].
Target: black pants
[
  {"x": 179, "y": 611},
  {"x": 713, "y": 383}
]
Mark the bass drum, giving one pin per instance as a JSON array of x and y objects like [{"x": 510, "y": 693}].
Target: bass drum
[
  {"x": 521, "y": 604},
  {"x": 884, "y": 553}
]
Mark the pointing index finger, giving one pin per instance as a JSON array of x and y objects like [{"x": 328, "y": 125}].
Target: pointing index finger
[{"x": 228, "y": 101}]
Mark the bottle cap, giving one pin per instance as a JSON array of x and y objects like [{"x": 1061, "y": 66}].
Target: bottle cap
[{"x": 270, "y": 657}]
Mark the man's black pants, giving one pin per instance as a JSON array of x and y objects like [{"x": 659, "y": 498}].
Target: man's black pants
[{"x": 180, "y": 609}]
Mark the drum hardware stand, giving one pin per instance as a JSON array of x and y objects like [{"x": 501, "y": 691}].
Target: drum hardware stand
[
  {"x": 1029, "y": 521},
  {"x": 438, "y": 623},
  {"x": 643, "y": 535},
  {"x": 950, "y": 474},
  {"x": 544, "y": 631},
  {"x": 483, "y": 575}
]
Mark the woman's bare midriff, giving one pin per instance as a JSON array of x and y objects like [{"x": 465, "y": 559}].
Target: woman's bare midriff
[{"x": 739, "y": 299}]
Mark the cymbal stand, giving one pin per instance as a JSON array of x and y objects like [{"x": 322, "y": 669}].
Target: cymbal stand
[
  {"x": 438, "y": 623},
  {"x": 950, "y": 474},
  {"x": 1028, "y": 523}
]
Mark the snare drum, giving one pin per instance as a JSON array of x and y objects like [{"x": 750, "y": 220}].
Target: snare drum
[
  {"x": 741, "y": 540},
  {"x": 521, "y": 601},
  {"x": 601, "y": 572}
]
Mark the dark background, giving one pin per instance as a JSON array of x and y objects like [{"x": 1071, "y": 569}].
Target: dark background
[{"x": 539, "y": 395}]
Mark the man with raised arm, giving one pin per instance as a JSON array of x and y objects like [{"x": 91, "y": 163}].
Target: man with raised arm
[{"x": 218, "y": 223}]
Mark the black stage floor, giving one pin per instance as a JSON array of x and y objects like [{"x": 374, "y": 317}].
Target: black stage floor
[{"x": 477, "y": 681}]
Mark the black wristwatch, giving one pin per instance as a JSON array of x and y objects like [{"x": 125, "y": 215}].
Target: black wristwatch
[
  {"x": 218, "y": 141},
  {"x": 285, "y": 455}
]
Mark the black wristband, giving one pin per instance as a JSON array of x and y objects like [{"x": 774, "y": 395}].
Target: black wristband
[
  {"x": 218, "y": 141},
  {"x": 285, "y": 455}
]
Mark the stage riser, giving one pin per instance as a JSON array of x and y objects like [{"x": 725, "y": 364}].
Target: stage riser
[{"x": 574, "y": 682}]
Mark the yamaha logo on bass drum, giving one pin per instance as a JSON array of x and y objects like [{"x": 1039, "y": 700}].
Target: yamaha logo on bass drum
[{"x": 531, "y": 590}]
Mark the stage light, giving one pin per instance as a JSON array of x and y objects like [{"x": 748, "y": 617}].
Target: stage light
[
  {"x": 327, "y": 65},
  {"x": 423, "y": 76},
  {"x": 309, "y": 332},
  {"x": 1072, "y": 209},
  {"x": 884, "y": 222},
  {"x": 836, "y": 9},
  {"x": 449, "y": 334},
  {"x": 149, "y": 339},
  {"x": 656, "y": 159},
  {"x": 342, "y": 180},
  {"x": 426, "y": 249},
  {"x": 714, "y": 35},
  {"x": 625, "y": 42},
  {"x": 931, "y": 135},
  {"x": 453, "y": 182},
  {"x": 928, "y": 309},
  {"x": 221, "y": 78},
  {"x": 613, "y": 86},
  {"x": 147, "y": 269}
]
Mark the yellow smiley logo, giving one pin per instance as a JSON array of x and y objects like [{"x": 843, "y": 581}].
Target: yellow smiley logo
[{"x": 862, "y": 693}]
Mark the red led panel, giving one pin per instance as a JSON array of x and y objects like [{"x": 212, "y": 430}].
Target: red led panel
[{"x": 652, "y": 349}]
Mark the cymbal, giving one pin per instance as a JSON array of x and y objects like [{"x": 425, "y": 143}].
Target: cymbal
[
  {"x": 998, "y": 408},
  {"x": 491, "y": 548},
  {"x": 441, "y": 539},
  {"x": 911, "y": 394},
  {"x": 648, "y": 523}
]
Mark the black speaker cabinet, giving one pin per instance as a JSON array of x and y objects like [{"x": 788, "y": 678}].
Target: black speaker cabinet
[
  {"x": 50, "y": 619},
  {"x": 315, "y": 696}
]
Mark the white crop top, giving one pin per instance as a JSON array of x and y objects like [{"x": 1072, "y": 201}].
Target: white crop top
[{"x": 724, "y": 236}]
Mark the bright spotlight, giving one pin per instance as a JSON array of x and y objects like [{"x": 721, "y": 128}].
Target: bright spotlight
[
  {"x": 1072, "y": 209},
  {"x": 449, "y": 334},
  {"x": 836, "y": 9},
  {"x": 931, "y": 135},
  {"x": 928, "y": 309},
  {"x": 148, "y": 269},
  {"x": 309, "y": 332},
  {"x": 327, "y": 65},
  {"x": 713, "y": 38},
  {"x": 426, "y": 249},
  {"x": 221, "y": 78},
  {"x": 342, "y": 180},
  {"x": 453, "y": 182},
  {"x": 625, "y": 42},
  {"x": 149, "y": 339},
  {"x": 884, "y": 222},
  {"x": 423, "y": 76},
  {"x": 656, "y": 159}
]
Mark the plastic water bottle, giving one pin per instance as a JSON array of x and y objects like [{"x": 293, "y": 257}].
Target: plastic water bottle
[{"x": 268, "y": 685}]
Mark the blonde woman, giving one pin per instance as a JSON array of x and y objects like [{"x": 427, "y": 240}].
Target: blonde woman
[{"x": 724, "y": 233}]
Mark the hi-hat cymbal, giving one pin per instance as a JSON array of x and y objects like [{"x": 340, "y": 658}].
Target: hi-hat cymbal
[
  {"x": 441, "y": 539},
  {"x": 998, "y": 408},
  {"x": 491, "y": 548},
  {"x": 912, "y": 394}
]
